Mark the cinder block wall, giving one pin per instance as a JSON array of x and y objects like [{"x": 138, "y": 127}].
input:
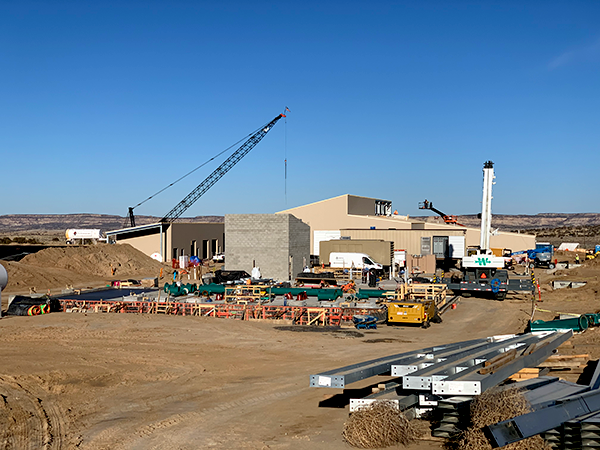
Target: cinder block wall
[
  {"x": 268, "y": 240},
  {"x": 299, "y": 240}
]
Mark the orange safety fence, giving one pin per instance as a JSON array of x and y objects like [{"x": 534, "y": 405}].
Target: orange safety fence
[{"x": 300, "y": 315}]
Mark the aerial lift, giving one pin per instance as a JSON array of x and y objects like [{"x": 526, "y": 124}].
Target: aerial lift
[
  {"x": 447, "y": 218},
  {"x": 540, "y": 256},
  {"x": 483, "y": 272},
  {"x": 217, "y": 174}
]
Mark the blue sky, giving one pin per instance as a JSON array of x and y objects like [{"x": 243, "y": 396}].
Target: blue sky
[{"x": 104, "y": 103}]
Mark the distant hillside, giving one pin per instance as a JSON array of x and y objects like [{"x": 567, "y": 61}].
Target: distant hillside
[
  {"x": 507, "y": 222},
  {"x": 50, "y": 223},
  {"x": 553, "y": 227},
  {"x": 16, "y": 223}
]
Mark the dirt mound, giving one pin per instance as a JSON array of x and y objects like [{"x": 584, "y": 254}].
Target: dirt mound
[
  {"x": 93, "y": 266},
  {"x": 99, "y": 260},
  {"x": 21, "y": 277}
]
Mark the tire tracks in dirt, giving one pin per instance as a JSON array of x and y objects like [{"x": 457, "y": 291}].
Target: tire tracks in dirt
[
  {"x": 141, "y": 435},
  {"x": 27, "y": 422}
]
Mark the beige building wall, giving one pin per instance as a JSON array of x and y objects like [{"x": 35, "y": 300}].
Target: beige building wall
[
  {"x": 199, "y": 239},
  {"x": 195, "y": 239},
  {"x": 337, "y": 214},
  {"x": 148, "y": 244},
  {"x": 332, "y": 214},
  {"x": 381, "y": 251},
  {"x": 409, "y": 240},
  {"x": 513, "y": 241}
]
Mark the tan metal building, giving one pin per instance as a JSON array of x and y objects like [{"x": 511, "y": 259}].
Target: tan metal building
[
  {"x": 413, "y": 241},
  {"x": 381, "y": 251},
  {"x": 173, "y": 240},
  {"x": 350, "y": 212}
]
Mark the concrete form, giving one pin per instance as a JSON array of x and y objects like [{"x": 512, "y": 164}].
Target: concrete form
[
  {"x": 350, "y": 212},
  {"x": 278, "y": 244}
]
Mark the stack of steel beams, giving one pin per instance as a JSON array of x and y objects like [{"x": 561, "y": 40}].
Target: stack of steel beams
[{"x": 424, "y": 377}]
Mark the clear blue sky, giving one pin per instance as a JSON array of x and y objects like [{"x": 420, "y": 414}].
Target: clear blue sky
[{"x": 104, "y": 103}]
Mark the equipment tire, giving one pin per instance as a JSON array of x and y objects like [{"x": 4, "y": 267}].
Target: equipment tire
[
  {"x": 532, "y": 265},
  {"x": 205, "y": 293},
  {"x": 551, "y": 266}
]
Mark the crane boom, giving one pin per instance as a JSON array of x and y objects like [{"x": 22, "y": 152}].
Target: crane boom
[{"x": 218, "y": 173}]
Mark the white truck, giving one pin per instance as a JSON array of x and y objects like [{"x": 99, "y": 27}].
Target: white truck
[
  {"x": 72, "y": 234},
  {"x": 352, "y": 260}
]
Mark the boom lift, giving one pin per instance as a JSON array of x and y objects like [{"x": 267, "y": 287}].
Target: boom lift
[
  {"x": 218, "y": 173},
  {"x": 447, "y": 218},
  {"x": 540, "y": 256}
]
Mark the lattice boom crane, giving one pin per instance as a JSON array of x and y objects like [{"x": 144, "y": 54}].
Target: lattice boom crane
[
  {"x": 193, "y": 196},
  {"x": 218, "y": 173}
]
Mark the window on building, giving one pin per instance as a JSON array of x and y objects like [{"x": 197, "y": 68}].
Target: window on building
[
  {"x": 175, "y": 254},
  {"x": 193, "y": 249},
  {"x": 425, "y": 245},
  {"x": 383, "y": 208},
  {"x": 205, "y": 249},
  {"x": 213, "y": 247}
]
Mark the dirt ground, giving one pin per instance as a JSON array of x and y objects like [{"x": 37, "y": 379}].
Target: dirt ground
[{"x": 128, "y": 381}]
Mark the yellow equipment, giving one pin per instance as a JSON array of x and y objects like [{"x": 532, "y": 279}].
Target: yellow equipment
[
  {"x": 411, "y": 312},
  {"x": 416, "y": 303}
]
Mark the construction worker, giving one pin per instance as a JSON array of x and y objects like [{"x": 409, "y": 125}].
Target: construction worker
[{"x": 577, "y": 258}]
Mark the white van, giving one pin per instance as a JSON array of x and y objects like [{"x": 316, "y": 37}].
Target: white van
[{"x": 349, "y": 260}]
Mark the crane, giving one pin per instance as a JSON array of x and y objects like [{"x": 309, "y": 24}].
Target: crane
[
  {"x": 447, "y": 219},
  {"x": 217, "y": 174}
]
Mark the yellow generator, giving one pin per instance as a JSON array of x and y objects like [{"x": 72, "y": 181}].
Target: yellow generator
[{"x": 411, "y": 312}]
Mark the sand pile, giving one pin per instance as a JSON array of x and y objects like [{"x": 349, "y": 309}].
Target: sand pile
[
  {"x": 55, "y": 268},
  {"x": 99, "y": 260}
]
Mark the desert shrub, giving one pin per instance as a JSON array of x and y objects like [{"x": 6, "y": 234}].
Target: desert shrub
[{"x": 379, "y": 425}]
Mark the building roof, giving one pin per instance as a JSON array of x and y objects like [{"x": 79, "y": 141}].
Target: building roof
[{"x": 134, "y": 229}]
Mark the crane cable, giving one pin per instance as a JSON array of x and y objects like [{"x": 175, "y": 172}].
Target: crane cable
[
  {"x": 285, "y": 162},
  {"x": 285, "y": 156},
  {"x": 200, "y": 166}
]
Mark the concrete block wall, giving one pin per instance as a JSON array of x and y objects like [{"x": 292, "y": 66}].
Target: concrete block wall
[
  {"x": 299, "y": 244},
  {"x": 268, "y": 240}
]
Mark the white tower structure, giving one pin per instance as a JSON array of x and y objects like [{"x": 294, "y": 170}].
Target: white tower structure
[
  {"x": 486, "y": 206},
  {"x": 484, "y": 257}
]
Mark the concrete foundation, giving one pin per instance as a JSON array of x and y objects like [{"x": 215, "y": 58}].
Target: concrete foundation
[{"x": 562, "y": 284}]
